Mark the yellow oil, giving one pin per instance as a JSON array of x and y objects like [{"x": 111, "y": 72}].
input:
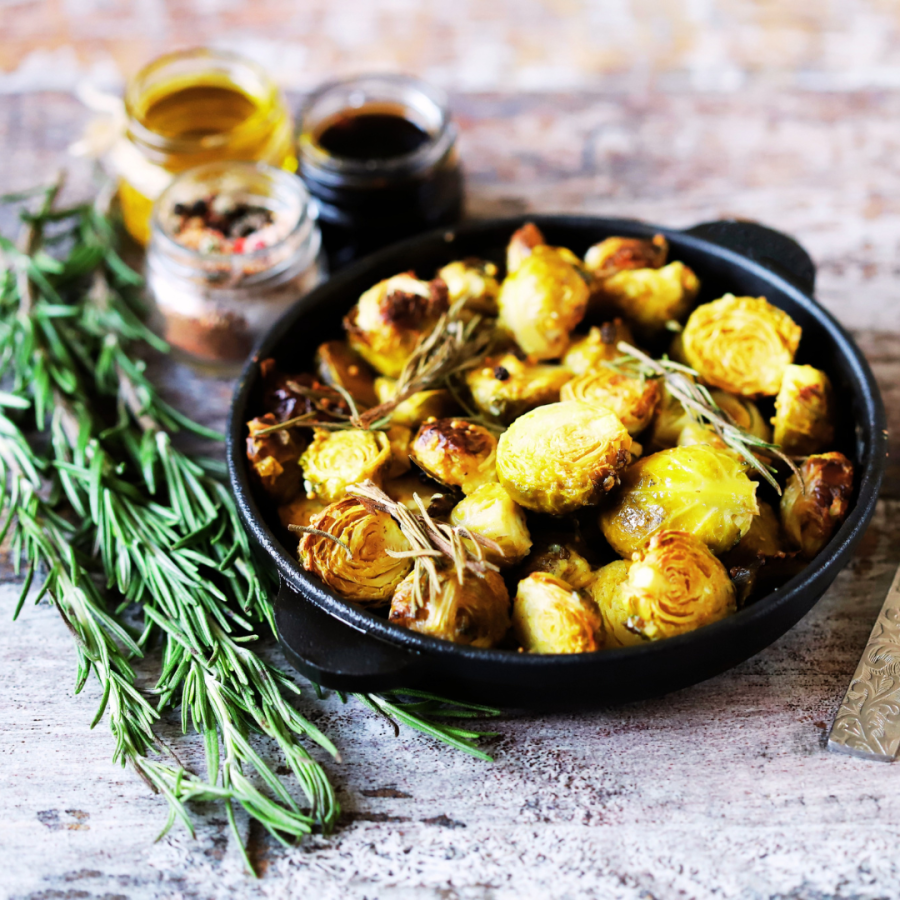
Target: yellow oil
[{"x": 180, "y": 124}]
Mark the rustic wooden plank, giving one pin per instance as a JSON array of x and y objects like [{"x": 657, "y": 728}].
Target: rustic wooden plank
[{"x": 720, "y": 790}]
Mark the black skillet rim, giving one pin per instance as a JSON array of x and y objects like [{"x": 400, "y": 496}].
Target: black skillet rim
[{"x": 816, "y": 578}]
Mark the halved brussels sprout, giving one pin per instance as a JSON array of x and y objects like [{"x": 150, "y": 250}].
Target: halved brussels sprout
[
  {"x": 697, "y": 433},
  {"x": 475, "y": 282},
  {"x": 404, "y": 488},
  {"x": 300, "y": 510},
  {"x": 674, "y": 585},
  {"x": 368, "y": 575},
  {"x": 560, "y": 457},
  {"x": 812, "y": 509},
  {"x": 339, "y": 365},
  {"x": 543, "y": 300},
  {"x": 697, "y": 489},
  {"x": 804, "y": 411},
  {"x": 674, "y": 426},
  {"x": 412, "y": 412},
  {"x": 741, "y": 344},
  {"x": 588, "y": 350},
  {"x": 456, "y": 452},
  {"x": 401, "y": 441},
  {"x": 475, "y": 612},
  {"x": 648, "y": 299},
  {"x": 506, "y": 386},
  {"x": 633, "y": 400},
  {"x": 559, "y": 557},
  {"x": 619, "y": 254},
  {"x": 337, "y": 459},
  {"x": 522, "y": 242},
  {"x": 392, "y": 317},
  {"x": 491, "y": 513},
  {"x": 550, "y": 617},
  {"x": 762, "y": 560},
  {"x": 274, "y": 458}
]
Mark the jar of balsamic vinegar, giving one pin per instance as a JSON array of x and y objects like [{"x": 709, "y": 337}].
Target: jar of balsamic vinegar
[
  {"x": 189, "y": 108},
  {"x": 378, "y": 154}
]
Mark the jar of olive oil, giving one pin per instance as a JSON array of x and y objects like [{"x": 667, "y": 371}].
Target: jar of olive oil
[{"x": 190, "y": 108}]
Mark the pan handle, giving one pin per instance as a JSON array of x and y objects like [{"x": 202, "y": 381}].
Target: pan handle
[
  {"x": 772, "y": 249},
  {"x": 333, "y": 654}
]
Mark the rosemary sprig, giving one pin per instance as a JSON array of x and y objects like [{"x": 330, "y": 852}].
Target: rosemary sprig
[
  {"x": 432, "y": 543},
  {"x": 700, "y": 405},
  {"x": 124, "y": 526},
  {"x": 453, "y": 346}
]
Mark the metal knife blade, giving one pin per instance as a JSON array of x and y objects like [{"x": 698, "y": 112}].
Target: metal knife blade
[{"x": 868, "y": 722}]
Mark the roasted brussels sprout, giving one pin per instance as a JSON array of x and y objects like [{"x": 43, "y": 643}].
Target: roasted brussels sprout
[
  {"x": 744, "y": 412},
  {"x": 289, "y": 395},
  {"x": 619, "y": 254},
  {"x": 695, "y": 489},
  {"x": 491, "y": 513},
  {"x": 543, "y": 300},
  {"x": 762, "y": 546},
  {"x": 589, "y": 350},
  {"x": 670, "y": 420},
  {"x": 559, "y": 557},
  {"x": 300, "y": 510},
  {"x": 391, "y": 317},
  {"x": 673, "y": 426},
  {"x": 475, "y": 612},
  {"x": 550, "y": 617},
  {"x": 456, "y": 452},
  {"x": 366, "y": 573},
  {"x": 522, "y": 242},
  {"x": 674, "y": 585},
  {"x": 413, "y": 411},
  {"x": 741, "y": 344},
  {"x": 812, "y": 509},
  {"x": 474, "y": 282},
  {"x": 339, "y": 365},
  {"x": 506, "y": 386},
  {"x": 275, "y": 458},
  {"x": 404, "y": 488},
  {"x": 337, "y": 459},
  {"x": 763, "y": 539},
  {"x": 804, "y": 411},
  {"x": 400, "y": 438},
  {"x": 648, "y": 298},
  {"x": 633, "y": 400},
  {"x": 560, "y": 457},
  {"x": 697, "y": 433}
]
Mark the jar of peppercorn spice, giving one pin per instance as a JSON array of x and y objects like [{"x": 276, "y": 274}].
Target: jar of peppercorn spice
[{"x": 232, "y": 246}]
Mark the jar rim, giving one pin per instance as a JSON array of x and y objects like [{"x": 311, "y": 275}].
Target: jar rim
[
  {"x": 326, "y": 166},
  {"x": 137, "y": 87},
  {"x": 190, "y": 258}
]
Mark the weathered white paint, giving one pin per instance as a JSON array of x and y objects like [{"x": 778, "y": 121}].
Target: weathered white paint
[{"x": 723, "y": 790}]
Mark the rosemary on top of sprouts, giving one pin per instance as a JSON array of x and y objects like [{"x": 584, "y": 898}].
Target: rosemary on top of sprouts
[
  {"x": 702, "y": 407},
  {"x": 432, "y": 543},
  {"x": 450, "y": 348}
]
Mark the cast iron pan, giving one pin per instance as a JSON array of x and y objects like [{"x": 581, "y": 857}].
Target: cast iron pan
[{"x": 344, "y": 647}]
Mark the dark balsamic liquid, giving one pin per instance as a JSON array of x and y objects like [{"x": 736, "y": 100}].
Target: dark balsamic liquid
[
  {"x": 371, "y": 135},
  {"x": 358, "y": 213}
]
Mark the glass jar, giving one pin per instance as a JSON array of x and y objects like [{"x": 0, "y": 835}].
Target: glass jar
[
  {"x": 211, "y": 303},
  {"x": 190, "y": 108},
  {"x": 378, "y": 154}
]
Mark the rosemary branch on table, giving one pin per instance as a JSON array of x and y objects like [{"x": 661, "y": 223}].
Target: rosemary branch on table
[
  {"x": 699, "y": 403},
  {"x": 124, "y": 527}
]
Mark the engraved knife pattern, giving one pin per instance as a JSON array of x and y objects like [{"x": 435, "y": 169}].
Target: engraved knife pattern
[{"x": 868, "y": 722}]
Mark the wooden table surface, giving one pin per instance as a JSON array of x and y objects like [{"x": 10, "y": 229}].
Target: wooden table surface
[{"x": 722, "y": 790}]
